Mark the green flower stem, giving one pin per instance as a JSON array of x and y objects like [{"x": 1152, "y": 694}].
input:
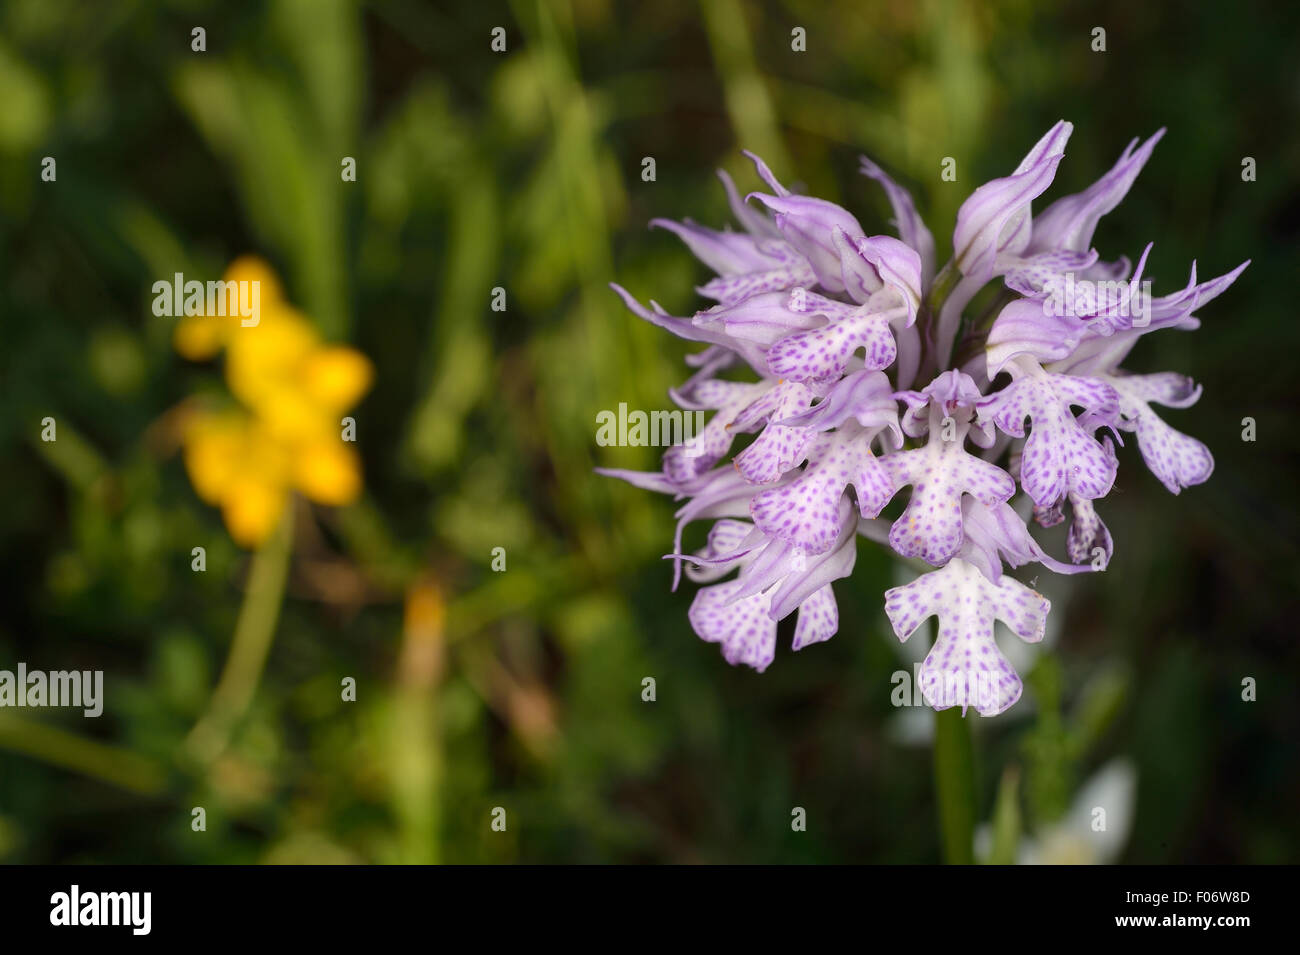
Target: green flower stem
[
  {"x": 954, "y": 774},
  {"x": 254, "y": 631},
  {"x": 416, "y": 757},
  {"x": 1006, "y": 819},
  {"x": 927, "y": 318},
  {"x": 942, "y": 287},
  {"x": 58, "y": 747}
]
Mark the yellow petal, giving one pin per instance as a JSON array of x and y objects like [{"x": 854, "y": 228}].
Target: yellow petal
[
  {"x": 265, "y": 359},
  {"x": 336, "y": 376},
  {"x": 252, "y": 509},
  {"x": 251, "y": 268},
  {"x": 198, "y": 337},
  {"x": 213, "y": 447},
  {"x": 291, "y": 418},
  {"x": 328, "y": 472}
]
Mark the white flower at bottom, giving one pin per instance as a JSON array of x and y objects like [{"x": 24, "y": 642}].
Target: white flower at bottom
[{"x": 1083, "y": 836}]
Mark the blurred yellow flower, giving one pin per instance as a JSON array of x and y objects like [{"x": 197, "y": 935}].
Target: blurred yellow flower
[
  {"x": 288, "y": 435},
  {"x": 200, "y": 337}
]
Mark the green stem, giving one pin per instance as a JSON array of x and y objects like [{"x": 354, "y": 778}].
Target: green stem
[
  {"x": 248, "y": 650},
  {"x": 416, "y": 754},
  {"x": 927, "y": 318},
  {"x": 109, "y": 764},
  {"x": 954, "y": 775},
  {"x": 942, "y": 287}
]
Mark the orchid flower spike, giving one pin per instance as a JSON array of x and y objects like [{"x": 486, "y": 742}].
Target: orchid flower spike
[{"x": 867, "y": 382}]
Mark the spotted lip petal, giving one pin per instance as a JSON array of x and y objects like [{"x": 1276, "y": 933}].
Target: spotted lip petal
[
  {"x": 775, "y": 580},
  {"x": 1060, "y": 455},
  {"x": 940, "y": 473},
  {"x": 964, "y": 667},
  {"x": 778, "y": 448},
  {"x": 824, "y": 353},
  {"x": 806, "y": 512},
  {"x": 1177, "y": 460},
  {"x": 819, "y": 619},
  {"x": 1049, "y": 516},
  {"x": 745, "y": 628},
  {"x": 742, "y": 626}
]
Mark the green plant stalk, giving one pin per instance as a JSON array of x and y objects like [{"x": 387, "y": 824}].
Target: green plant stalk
[
  {"x": 250, "y": 646},
  {"x": 944, "y": 282},
  {"x": 928, "y": 316},
  {"x": 954, "y": 776},
  {"x": 417, "y": 774},
  {"x": 1006, "y": 820},
  {"x": 415, "y": 745},
  {"x": 58, "y": 747}
]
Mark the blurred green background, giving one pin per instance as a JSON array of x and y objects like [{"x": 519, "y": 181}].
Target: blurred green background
[{"x": 522, "y": 169}]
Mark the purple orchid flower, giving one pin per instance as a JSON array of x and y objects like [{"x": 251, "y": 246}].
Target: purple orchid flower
[{"x": 836, "y": 325}]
